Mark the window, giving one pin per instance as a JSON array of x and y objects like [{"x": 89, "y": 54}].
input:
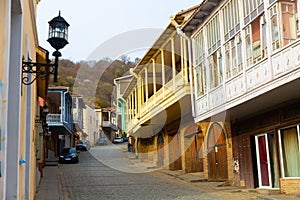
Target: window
[
  {"x": 215, "y": 69},
  {"x": 256, "y": 43},
  {"x": 215, "y": 58},
  {"x": 200, "y": 63},
  {"x": 233, "y": 56},
  {"x": 290, "y": 151},
  {"x": 252, "y": 9},
  {"x": 288, "y": 22},
  {"x": 231, "y": 19},
  {"x": 283, "y": 18},
  {"x": 274, "y": 27},
  {"x": 213, "y": 34},
  {"x": 199, "y": 48}
]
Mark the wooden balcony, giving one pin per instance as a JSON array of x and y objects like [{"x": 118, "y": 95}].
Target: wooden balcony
[{"x": 165, "y": 97}]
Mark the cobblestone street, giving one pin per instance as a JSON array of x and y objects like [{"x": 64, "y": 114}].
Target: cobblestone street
[{"x": 91, "y": 179}]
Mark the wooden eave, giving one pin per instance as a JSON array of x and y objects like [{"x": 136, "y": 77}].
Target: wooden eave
[{"x": 199, "y": 16}]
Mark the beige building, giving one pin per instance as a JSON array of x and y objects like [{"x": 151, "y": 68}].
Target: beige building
[
  {"x": 91, "y": 124},
  {"x": 158, "y": 102}
]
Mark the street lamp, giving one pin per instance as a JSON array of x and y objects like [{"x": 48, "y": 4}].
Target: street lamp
[{"x": 58, "y": 39}]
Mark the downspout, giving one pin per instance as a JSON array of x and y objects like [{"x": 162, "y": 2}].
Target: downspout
[{"x": 183, "y": 35}]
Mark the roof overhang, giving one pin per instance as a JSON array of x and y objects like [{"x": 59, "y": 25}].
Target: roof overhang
[{"x": 199, "y": 16}]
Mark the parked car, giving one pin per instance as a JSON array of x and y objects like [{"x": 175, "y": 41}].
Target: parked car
[
  {"x": 118, "y": 140},
  {"x": 69, "y": 155},
  {"x": 83, "y": 145},
  {"x": 125, "y": 139},
  {"x": 102, "y": 141}
]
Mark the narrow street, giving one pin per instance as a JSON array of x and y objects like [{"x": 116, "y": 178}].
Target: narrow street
[{"x": 98, "y": 177}]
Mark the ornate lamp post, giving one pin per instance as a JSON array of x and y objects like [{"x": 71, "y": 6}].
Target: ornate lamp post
[{"x": 58, "y": 39}]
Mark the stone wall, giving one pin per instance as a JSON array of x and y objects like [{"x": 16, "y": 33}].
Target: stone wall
[{"x": 290, "y": 185}]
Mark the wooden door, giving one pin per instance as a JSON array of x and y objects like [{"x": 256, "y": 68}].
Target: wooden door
[
  {"x": 175, "y": 152},
  {"x": 217, "y": 153},
  {"x": 263, "y": 161}
]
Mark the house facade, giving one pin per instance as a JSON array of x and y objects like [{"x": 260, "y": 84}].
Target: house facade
[
  {"x": 158, "y": 103},
  {"x": 121, "y": 84},
  {"x": 78, "y": 107},
  {"x": 108, "y": 123},
  {"x": 246, "y": 66},
  {"x": 60, "y": 122},
  {"x": 91, "y": 124}
]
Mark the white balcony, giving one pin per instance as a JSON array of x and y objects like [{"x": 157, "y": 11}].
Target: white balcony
[
  {"x": 108, "y": 124},
  {"x": 54, "y": 118},
  {"x": 281, "y": 68}
]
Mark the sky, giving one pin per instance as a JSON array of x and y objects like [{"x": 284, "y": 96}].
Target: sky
[{"x": 98, "y": 24}]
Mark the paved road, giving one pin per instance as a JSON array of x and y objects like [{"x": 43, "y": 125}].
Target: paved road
[{"x": 106, "y": 173}]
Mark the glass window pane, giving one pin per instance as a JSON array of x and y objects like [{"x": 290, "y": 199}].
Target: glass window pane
[
  {"x": 290, "y": 152},
  {"x": 274, "y": 28},
  {"x": 288, "y": 23}
]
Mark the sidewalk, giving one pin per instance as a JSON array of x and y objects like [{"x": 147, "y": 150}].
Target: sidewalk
[{"x": 51, "y": 186}]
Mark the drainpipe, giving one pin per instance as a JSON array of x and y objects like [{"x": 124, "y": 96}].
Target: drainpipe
[{"x": 183, "y": 35}]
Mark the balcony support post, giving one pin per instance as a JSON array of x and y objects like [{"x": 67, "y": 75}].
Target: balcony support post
[
  {"x": 173, "y": 61},
  {"x": 163, "y": 71}
]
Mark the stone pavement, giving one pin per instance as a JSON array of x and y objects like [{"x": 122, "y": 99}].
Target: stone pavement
[{"x": 52, "y": 186}]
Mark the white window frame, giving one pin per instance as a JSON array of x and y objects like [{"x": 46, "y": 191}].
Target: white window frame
[
  {"x": 252, "y": 9},
  {"x": 280, "y": 149},
  {"x": 276, "y": 9},
  {"x": 213, "y": 34},
  {"x": 231, "y": 18},
  {"x": 231, "y": 70}
]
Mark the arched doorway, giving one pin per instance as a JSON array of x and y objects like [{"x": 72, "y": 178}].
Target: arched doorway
[{"x": 217, "y": 153}]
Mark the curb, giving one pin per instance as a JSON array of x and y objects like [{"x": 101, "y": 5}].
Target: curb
[{"x": 63, "y": 192}]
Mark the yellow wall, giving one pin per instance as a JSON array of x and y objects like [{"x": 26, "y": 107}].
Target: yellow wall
[
  {"x": 2, "y": 32},
  {"x": 29, "y": 44}
]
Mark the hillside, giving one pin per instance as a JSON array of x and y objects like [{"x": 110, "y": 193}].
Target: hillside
[{"x": 94, "y": 80}]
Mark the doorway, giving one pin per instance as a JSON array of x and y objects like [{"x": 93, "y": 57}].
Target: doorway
[
  {"x": 217, "y": 153},
  {"x": 160, "y": 150},
  {"x": 266, "y": 161}
]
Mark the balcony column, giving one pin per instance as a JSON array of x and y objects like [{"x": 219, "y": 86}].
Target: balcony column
[
  {"x": 135, "y": 101},
  {"x": 163, "y": 70},
  {"x": 142, "y": 86},
  {"x": 185, "y": 61},
  {"x": 268, "y": 39},
  {"x": 173, "y": 61},
  {"x": 129, "y": 107},
  {"x": 154, "y": 76},
  {"x": 128, "y": 110},
  {"x": 132, "y": 104},
  {"x": 222, "y": 56},
  {"x": 205, "y": 39},
  {"x": 146, "y": 84}
]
